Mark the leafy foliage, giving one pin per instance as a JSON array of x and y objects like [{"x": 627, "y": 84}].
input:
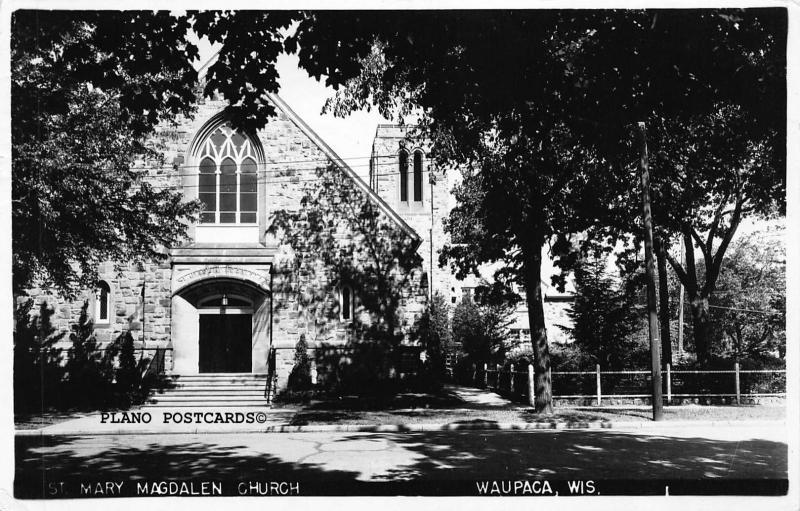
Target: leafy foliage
[
  {"x": 85, "y": 377},
  {"x": 35, "y": 362},
  {"x": 749, "y": 310},
  {"x": 340, "y": 237},
  {"x": 481, "y": 330},
  {"x": 86, "y": 89},
  {"x": 300, "y": 377},
  {"x": 434, "y": 332},
  {"x": 604, "y": 315}
]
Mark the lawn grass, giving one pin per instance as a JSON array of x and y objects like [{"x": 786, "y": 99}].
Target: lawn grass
[{"x": 526, "y": 415}]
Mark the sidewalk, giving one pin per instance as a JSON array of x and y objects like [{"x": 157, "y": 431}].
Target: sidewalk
[{"x": 455, "y": 408}]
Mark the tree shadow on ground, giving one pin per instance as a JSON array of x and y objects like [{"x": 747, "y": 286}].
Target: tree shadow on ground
[
  {"x": 444, "y": 456},
  {"x": 585, "y": 454},
  {"x": 158, "y": 458}
]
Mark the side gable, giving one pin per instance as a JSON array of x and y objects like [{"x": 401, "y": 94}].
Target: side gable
[{"x": 308, "y": 132}]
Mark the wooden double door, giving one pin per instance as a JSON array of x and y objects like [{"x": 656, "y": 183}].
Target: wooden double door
[{"x": 226, "y": 343}]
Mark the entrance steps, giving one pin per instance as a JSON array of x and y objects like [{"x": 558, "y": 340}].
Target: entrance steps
[{"x": 211, "y": 390}]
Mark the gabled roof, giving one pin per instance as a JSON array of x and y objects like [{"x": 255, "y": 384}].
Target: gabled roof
[
  {"x": 374, "y": 197},
  {"x": 306, "y": 129}
]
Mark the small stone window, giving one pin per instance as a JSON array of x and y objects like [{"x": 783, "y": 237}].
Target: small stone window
[
  {"x": 403, "y": 169},
  {"x": 346, "y": 303},
  {"x": 418, "y": 176},
  {"x": 102, "y": 303}
]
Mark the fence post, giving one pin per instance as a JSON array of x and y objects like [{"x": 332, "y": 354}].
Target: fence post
[
  {"x": 597, "y": 380},
  {"x": 485, "y": 375},
  {"x": 669, "y": 383},
  {"x": 497, "y": 377},
  {"x": 738, "y": 387},
  {"x": 531, "y": 386},
  {"x": 511, "y": 379}
]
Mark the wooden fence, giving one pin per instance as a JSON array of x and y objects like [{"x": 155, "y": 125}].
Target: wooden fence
[{"x": 734, "y": 383}]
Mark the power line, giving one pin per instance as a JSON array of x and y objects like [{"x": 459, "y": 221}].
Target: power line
[
  {"x": 744, "y": 310},
  {"x": 284, "y": 179},
  {"x": 266, "y": 163}
]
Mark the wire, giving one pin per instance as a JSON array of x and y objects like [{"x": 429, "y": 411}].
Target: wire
[
  {"x": 272, "y": 163},
  {"x": 744, "y": 310},
  {"x": 286, "y": 179}
]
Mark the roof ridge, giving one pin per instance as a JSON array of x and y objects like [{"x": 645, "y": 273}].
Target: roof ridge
[{"x": 331, "y": 154}]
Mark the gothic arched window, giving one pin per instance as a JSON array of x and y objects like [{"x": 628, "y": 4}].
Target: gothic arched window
[
  {"x": 417, "y": 176},
  {"x": 228, "y": 177},
  {"x": 403, "y": 168}
]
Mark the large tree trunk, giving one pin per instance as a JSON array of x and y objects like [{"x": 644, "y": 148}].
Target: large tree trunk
[
  {"x": 663, "y": 299},
  {"x": 701, "y": 326},
  {"x": 543, "y": 401}
]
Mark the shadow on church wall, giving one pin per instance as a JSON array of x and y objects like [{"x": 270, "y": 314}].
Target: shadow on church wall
[{"x": 338, "y": 237}]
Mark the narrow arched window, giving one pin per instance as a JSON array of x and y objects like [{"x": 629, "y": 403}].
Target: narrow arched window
[
  {"x": 102, "y": 302},
  {"x": 417, "y": 176},
  {"x": 346, "y": 303},
  {"x": 403, "y": 164},
  {"x": 228, "y": 177}
]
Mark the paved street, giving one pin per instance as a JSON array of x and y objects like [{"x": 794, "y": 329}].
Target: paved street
[{"x": 735, "y": 452}]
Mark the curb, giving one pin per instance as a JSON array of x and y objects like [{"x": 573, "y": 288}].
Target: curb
[{"x": 411, "y": 428}]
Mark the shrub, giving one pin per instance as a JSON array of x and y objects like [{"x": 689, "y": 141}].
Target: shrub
[
  {"x": 604, "y": 316},
  {"x": 300, "y": 377},
  {"x": 480, "y": 330},
  {"x": 38, "y": 371},
  {"x": 433, "y": 331}
]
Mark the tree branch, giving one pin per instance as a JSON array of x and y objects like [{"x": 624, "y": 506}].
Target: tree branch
[
  {"x": 691, "y": 269},
  {"x": 712, "y": 271},
  {"x": 706, "y": 250},
  {"x": 712, "y": 232},
  {"x": 678, "y": 268}
]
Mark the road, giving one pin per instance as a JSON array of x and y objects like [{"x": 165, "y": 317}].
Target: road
[{"x": 426, "y": 463}]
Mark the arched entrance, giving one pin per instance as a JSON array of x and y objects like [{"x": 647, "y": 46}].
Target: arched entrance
[{"x": 220, "y": 325}]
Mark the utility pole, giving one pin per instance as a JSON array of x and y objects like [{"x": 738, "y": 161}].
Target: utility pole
[{"x": 652, "y": 315}]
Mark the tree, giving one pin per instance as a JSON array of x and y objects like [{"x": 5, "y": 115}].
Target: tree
[
  {"x": 710, "y": 173},
  {"x": 749, "y": 309},
  {"x": 37, "y": 367},
  {"x": 535, "y": 105},
  {"x": 711, "y": 85},
  {"x": 540, "y": 103},
  {"x": 86, "y": 90},
  {"x": 339, "y": 238},
  {"x": 480, "y": 329},
  {"x": 433, "y": 329},
  {"x": 604, "y": 315}
]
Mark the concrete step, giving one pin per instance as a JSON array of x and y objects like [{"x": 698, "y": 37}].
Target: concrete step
[
  {"x": 204, "y": 393},
  {"x": 204, "y": 404},
  {"x": 206, "y": 398},
  {"x": 212, "y": 390},
  {"x": 215, "y": 387},
  {"x": 218, "y": 376}
]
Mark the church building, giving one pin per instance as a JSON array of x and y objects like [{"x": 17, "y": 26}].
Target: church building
[{"x": 292, "y": 243}]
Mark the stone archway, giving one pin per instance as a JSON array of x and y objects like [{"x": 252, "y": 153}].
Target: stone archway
[{"x": 220, "y": 325}]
